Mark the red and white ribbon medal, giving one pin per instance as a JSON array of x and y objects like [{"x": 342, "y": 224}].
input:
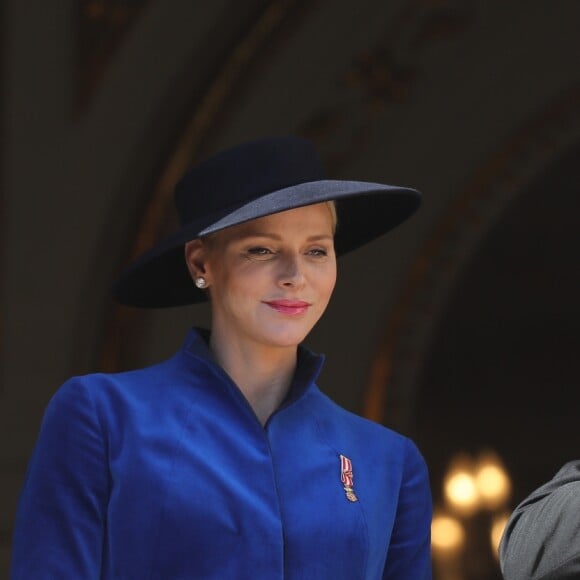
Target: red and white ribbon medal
[{"x": 347, "y": 478}]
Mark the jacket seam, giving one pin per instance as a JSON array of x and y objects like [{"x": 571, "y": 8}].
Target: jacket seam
[
  {"x": 361, "y": 510},
  {"x": 106, "y": 499},
  {"x": 163, "y": 504}
]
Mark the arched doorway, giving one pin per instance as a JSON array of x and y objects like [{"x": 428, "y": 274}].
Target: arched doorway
[{"x": 500, "y": 372}]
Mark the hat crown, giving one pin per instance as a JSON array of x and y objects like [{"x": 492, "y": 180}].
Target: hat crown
[
  {"x": 248, "y": 182},
  {"x": 245, "y": 173}
]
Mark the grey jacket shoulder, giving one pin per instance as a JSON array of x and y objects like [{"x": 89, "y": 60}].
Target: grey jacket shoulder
[{"x": 542, "y": 538}]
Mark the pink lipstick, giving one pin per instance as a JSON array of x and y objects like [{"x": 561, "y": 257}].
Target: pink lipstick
[{"x": 290, "y": 307}]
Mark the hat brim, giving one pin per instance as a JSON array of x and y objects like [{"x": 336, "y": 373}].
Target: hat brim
[{"x": 160, "y": 278}]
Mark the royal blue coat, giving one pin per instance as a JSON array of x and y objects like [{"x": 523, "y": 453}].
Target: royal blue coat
[{"x": 166, "y": 473}]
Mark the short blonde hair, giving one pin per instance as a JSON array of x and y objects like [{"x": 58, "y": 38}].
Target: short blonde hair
[{"x": 332, "y": 207}]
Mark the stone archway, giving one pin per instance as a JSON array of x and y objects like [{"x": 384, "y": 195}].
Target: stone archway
[{"x": 496, "y": 187}]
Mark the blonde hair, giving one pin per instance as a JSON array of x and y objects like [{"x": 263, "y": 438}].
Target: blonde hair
[{"x": 332, "y": 207}]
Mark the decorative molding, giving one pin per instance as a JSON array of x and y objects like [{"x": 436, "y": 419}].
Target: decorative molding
[
  {"x": 383, "y": 76},
  {"x": 123, "y": 325},
  {"x": 491, "y": 191},
  {"x": 102, "y": 26}
]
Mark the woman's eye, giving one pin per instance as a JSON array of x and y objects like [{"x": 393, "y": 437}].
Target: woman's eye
[
  {"x": 259, "y": 253},
  {"x": 317, "y": 252}
]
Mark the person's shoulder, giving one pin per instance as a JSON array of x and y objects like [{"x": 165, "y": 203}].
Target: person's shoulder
[
  {"x": 142, "y": 379},
  {"x": 344, "y": 423},
  {"x": 568, "y": 473},
  {"x": 540, "y": 538},
  {"x": 388, "y": 453}
]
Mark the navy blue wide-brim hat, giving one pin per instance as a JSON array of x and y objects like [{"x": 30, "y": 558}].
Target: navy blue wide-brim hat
[{"x": 250, "y": 181}]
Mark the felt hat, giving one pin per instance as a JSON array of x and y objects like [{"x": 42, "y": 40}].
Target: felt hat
[{"x": 249, "y": 181}]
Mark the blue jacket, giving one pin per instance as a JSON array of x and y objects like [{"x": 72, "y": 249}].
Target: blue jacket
[{"x": 166, "y": 473}]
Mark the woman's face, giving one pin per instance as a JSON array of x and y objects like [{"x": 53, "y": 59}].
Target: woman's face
[{"x": 270, "y": 279}]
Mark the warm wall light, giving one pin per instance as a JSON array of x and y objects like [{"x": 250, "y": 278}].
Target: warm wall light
[
  {"x": 492, "y": 481},
  {"x": 459, "y": 486},
  {"x": 447, "y": 534},
  {"x": 471, "y": 486}
]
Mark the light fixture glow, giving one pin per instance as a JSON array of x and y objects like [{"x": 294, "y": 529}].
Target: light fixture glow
[
  {"x": 493, "y": 483},
  {"x": 461, "y": 491},
  {"x": 447, "y": 533}
]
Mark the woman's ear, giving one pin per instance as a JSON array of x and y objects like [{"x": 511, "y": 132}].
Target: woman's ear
[{"x": 196, "y": 253}]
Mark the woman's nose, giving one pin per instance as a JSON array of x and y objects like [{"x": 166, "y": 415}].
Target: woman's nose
[{"x": 291, "y": 273}]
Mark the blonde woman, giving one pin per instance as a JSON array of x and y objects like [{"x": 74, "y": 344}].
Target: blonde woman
[{"x": 226, "y": 461}]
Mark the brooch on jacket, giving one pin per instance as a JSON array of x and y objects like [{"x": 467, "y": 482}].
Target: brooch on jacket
[{"x": 347, "y": 478}]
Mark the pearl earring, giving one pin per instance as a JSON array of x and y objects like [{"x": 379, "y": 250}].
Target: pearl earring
[{"x": 200, "y": 282}]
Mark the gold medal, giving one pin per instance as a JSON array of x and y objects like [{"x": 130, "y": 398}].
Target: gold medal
[{"x": 350, "y": 495}]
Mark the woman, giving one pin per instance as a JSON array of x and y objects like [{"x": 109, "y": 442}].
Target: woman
[{"x": 226, "y": 461}]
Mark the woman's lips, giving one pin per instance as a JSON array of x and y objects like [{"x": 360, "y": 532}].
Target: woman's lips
[{"x": 292, "y": 307}]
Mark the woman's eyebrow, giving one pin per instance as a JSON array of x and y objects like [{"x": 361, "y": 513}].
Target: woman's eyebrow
[{"x": 321, "y": 237}]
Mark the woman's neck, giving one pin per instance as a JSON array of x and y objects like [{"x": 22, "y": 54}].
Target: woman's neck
[{"x": 262, "y": 373}]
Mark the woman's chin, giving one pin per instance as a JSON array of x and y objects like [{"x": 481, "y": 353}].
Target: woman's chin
[{"x": 285, "y": 338}]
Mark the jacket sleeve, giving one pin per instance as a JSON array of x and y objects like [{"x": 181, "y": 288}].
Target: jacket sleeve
[
  {"x": 60, "y": 520},
  {"x": 409, "y": 554},
  {"x": 542, "y": 538}
]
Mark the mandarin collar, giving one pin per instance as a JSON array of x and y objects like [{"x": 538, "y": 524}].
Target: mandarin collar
[{"x": 308, "y": 366}]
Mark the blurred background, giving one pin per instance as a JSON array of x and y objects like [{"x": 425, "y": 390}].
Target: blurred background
[{"x": 459, "y": 329}]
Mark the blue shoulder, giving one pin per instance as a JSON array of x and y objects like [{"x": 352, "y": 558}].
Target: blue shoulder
[{"x": 353, "y": 431}]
